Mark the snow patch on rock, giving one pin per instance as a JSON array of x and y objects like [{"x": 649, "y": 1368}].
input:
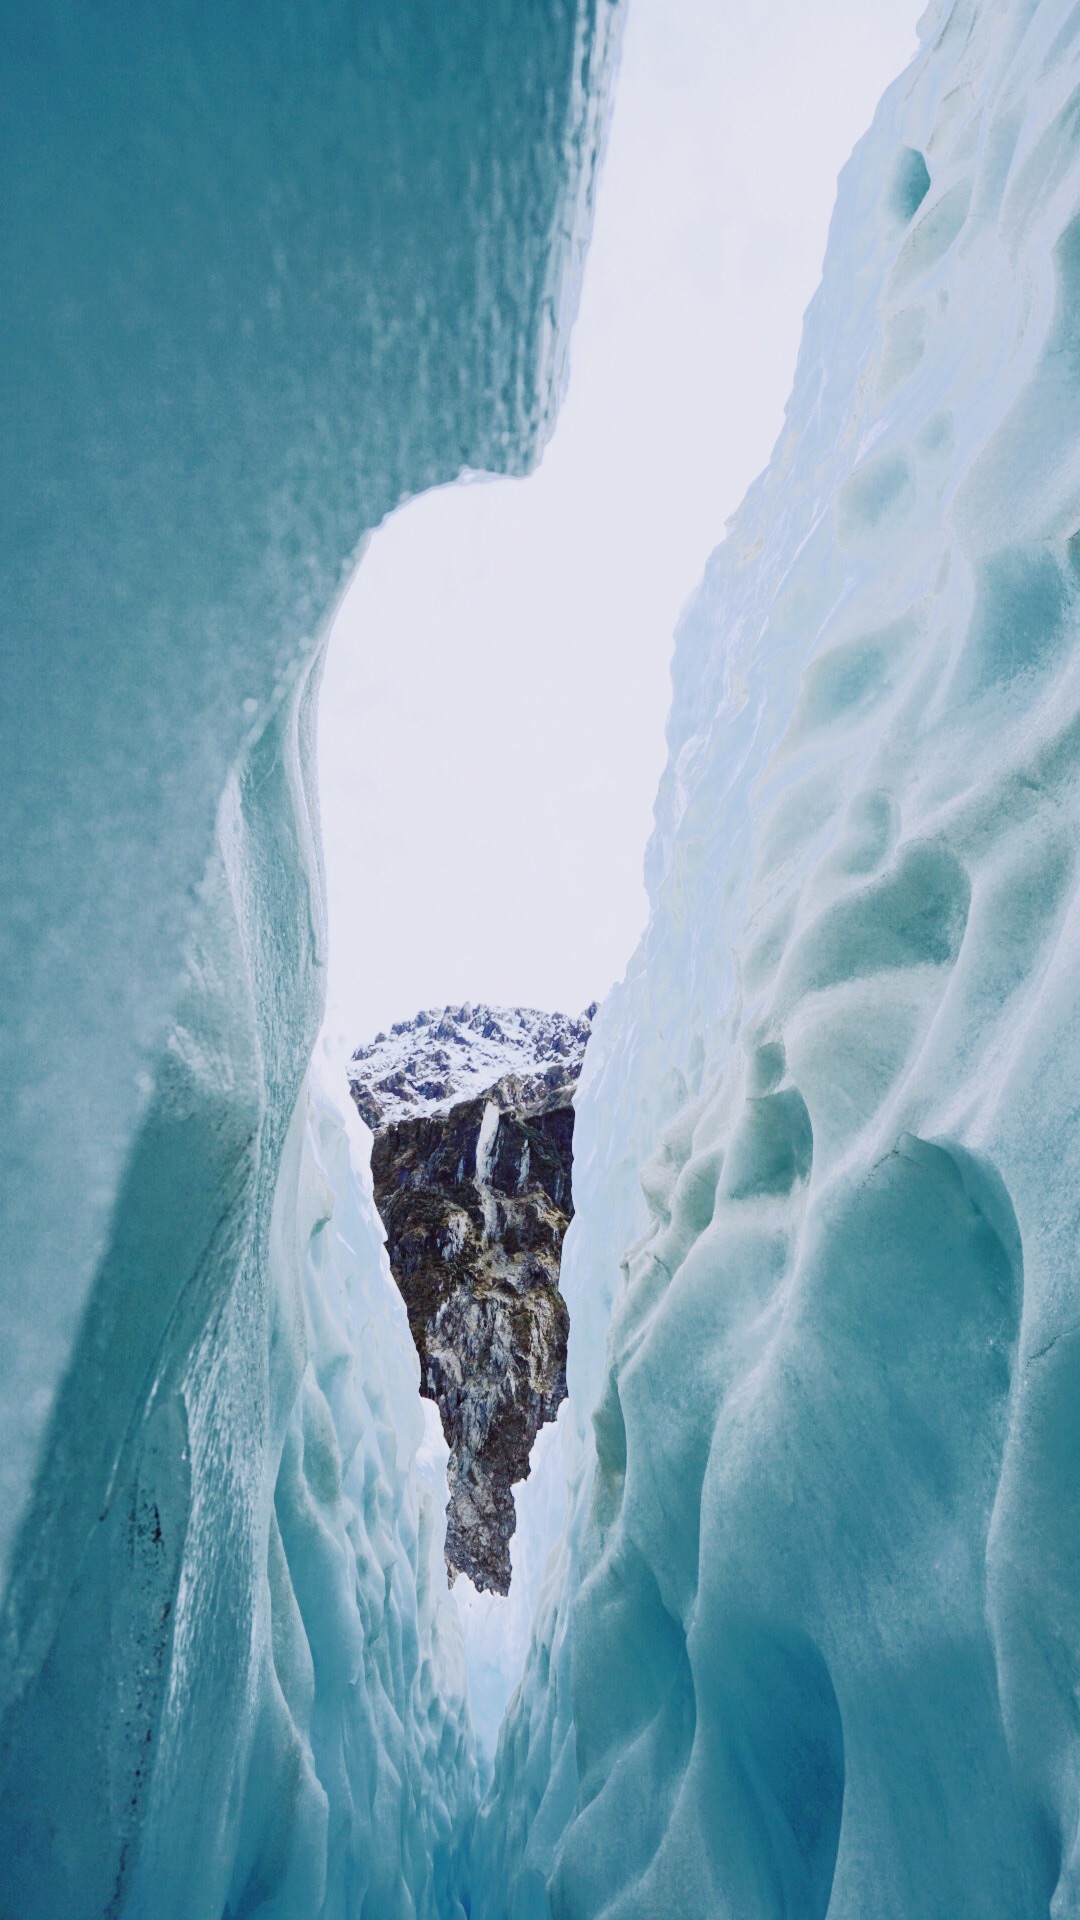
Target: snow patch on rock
[{"x": 447, "y": 1054}]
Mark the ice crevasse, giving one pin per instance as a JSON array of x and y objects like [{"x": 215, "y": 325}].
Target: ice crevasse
[{"x": 807, "y": 1641}]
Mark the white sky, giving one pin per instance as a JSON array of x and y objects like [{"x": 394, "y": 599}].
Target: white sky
[{"x": 491, "y": 731}]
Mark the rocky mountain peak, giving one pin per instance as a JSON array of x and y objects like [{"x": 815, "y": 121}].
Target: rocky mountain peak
[
  {"x": 444, "y": 1055},
  {"x": 472, "y": 1160}
]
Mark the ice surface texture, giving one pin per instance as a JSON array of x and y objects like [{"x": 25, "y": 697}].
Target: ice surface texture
[
  {"x": 269, "y": 269},
  {"x": 812, "y": 1645},
  {"x": 247, "y": 1676}
]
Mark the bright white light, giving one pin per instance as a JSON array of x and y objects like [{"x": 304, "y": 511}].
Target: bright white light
[{"x": 491, "y": 733}]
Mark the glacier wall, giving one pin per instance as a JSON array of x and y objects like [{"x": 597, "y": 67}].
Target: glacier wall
[
  {"x": 810, "y": 1643},
  {"x": 269, "y": 271},
  {"x": 240, "y": 1686}
]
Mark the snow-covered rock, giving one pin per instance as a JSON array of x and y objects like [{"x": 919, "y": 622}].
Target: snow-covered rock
[
  {"x": 447, "y": 1054},
  {"x": 472, "y": 1164}
]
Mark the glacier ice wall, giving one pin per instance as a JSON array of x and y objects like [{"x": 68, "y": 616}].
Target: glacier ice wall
[
  {"x": 269, "y": 271},
  {"x": 810, "y": 1644},
  {"x": 245, "y": 1691}
]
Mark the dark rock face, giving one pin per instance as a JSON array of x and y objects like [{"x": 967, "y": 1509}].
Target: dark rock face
[{"x": 476, "y": 1199}]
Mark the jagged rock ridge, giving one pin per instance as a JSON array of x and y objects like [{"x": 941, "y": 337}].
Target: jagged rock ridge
[
  {"x": 444, "y": 1055},
  {"x": 475, "y": 1194}
]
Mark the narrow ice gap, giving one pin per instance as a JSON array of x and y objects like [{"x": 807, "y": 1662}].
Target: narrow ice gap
[{"x": 494, "y": 699}]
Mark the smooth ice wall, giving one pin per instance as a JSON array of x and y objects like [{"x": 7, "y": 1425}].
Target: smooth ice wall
[
  {"x": 269, "y": 271},
  {"x": 810, "y": 1644}
]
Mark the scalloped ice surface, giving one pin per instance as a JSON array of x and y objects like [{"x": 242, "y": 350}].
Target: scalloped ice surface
[{"x": 810, "y": 1641}]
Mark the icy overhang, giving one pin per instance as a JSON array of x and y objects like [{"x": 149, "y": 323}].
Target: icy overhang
[{"x": 269, "y": 269}]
